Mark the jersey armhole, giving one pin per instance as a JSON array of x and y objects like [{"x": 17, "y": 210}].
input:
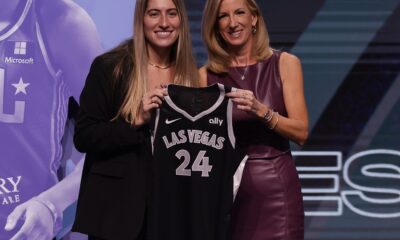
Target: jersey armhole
[
  {"x": 154, "y": 131},
  {"x": 55, "y": 74},
  {"x": 231, "y": 134},
  {"x": 237, "y": 177}
]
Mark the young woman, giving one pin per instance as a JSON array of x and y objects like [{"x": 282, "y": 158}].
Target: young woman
[
  {"x": 121, "y": 91},
  {"x": 270, "y": 111}
]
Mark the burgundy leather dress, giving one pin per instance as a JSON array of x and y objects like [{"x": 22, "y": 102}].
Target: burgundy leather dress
[{"x": 269, "y": 203}]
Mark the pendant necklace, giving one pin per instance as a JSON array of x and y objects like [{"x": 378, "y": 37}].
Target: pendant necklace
[
  {"x": 242, "y": 76},
  {"x": 244, "y": 73}
]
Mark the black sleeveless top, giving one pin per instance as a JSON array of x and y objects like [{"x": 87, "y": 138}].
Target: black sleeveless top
[{"x": 196, "y": 165}]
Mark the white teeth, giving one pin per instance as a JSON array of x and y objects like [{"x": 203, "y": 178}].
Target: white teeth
[
  {"x": 163, "y": 34},
  {"x": 235, "y": 34}
]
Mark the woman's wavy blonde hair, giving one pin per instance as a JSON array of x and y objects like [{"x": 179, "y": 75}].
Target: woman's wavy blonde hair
[
  {"x": 218, "y": 56},
  {"x": 185, "y": 66}
]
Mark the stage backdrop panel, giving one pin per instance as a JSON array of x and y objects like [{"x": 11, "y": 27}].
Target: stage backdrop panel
[{"x": 350, "y": 51}]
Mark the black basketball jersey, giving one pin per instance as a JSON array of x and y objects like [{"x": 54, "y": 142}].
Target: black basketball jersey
[{"x": 197, "y": 168}]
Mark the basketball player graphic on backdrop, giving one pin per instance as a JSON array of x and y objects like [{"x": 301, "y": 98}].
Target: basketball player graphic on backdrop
[{"x": 46, "y": 47}]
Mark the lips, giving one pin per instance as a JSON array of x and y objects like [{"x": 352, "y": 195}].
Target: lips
[
  {"x": 163, "y": 34},
  {"x": 235, "y": 34}
]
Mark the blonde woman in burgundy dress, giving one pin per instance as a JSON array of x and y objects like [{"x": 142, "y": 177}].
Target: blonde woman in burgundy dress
[{"x": 270, "y": 111}]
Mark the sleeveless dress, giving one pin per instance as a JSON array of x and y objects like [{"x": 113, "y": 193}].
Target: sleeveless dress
[
  {"x": 33, "y": 113},
  {"x": 269, "y": 203}
]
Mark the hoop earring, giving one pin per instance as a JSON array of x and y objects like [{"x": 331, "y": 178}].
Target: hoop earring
[{"x": 253, "y": 29}]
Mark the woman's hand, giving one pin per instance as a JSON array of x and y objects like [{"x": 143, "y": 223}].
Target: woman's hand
[
  {"x": 247, "y": 102},
  {"x": 150, "y": 101}
]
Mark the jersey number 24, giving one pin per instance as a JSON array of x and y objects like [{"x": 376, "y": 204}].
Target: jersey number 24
[{"x": 200, "y": 164}]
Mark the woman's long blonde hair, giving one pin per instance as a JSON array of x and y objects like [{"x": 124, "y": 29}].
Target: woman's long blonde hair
[
  {"x": 218, "y": 56},
  {"x": 181, "y": 54}
]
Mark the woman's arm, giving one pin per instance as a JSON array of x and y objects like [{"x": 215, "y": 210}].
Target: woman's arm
[
  {"x": 95, "y": 131},
  {"x": 295, "y": 126}
]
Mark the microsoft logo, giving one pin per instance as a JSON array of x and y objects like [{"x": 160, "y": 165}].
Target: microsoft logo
[{"x": 20, "y": 48}]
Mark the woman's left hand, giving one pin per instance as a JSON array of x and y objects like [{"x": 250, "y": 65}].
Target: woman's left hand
[
  {"x": 247, "y": 102},
  {"x": 150, "y": 101}
]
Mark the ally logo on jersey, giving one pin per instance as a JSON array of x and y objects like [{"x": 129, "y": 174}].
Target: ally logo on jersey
[
  {"x": 19, "y": 52},
  {"x": 215, "y": 121}
]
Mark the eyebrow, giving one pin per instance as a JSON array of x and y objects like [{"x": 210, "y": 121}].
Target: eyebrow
[
  {"x": 241, "y": 8},
  {"x": 156, "y": 9}
]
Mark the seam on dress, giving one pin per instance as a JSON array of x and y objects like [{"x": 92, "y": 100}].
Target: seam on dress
[{"x": 286, "y": 199}]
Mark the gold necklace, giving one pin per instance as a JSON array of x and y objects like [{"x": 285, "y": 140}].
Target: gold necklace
[
  {"x": 159, "y": 66},
  {"x": 242, "y": 76}
]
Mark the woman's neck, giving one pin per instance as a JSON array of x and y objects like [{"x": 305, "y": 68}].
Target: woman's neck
[
  {"x": 241, "y": 56},
  {"x": 240, "y": 60},
  {"x": 158, "y": 77},
  {"x": 161, "y": 70},
  {"x": 159, "y": 57}
]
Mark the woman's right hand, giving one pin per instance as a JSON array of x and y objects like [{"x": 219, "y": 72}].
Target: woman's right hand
[{"x": 150, "y": 101}]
